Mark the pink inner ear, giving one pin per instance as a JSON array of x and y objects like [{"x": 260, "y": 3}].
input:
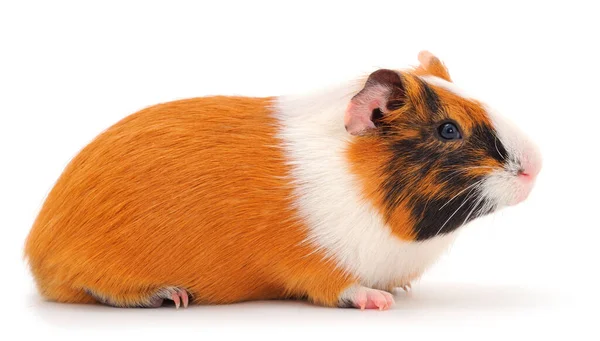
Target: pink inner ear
[{"x": 358, "y": 114}]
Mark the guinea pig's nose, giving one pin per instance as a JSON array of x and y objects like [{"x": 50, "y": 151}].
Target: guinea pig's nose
[
  {"x": 529, "y": 169},
  {"x": 524, "y": 174}
]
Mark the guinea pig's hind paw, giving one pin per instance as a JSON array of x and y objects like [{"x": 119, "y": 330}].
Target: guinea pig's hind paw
[
  {"x": 367, "y": 298},
  {"x": 406, "y": 287},
  {"x": 177, "y": 295}
]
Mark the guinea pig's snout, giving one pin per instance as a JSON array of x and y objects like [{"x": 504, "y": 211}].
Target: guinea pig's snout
[{"x": 530, "y": 167}]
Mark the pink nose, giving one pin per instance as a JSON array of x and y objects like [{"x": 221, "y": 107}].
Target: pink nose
[
  {"x": 527, "y": 173},
  {"x": 523, "y": 174},
  {"x": 529, "y": 169}
]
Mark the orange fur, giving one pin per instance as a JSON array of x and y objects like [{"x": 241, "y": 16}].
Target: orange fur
[
  {"x": 365, "y": 160},
  {"x": 201, "y": 180}
]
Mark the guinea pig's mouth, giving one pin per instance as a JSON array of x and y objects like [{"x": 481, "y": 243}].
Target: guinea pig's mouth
[{"x": 505, "y": 186}]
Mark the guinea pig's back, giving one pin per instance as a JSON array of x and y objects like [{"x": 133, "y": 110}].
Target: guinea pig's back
[{"x": 194, "y": 193}]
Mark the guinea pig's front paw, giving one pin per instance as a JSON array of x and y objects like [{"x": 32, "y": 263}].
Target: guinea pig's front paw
[
  {"x": 366, "y": 298},
  {"x": 177, "y": 295},
  {"x": 406, "y": 287}
]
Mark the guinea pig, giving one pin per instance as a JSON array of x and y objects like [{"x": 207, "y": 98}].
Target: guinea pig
[{"x": 336, "y": 197}]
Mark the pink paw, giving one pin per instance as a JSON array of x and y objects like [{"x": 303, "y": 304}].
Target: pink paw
[
  {"x": 367, "y": 298},
  {"x": 177, "y": 295}
]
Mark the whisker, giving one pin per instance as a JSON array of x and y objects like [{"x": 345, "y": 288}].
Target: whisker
[
  {"x": 466, "y": 169},
  {"x": 474, "y": 207},
  {"x": 496, "y": 145},
  {"x": 472, "y": 192},
  {"x": 461, "y": 192}
]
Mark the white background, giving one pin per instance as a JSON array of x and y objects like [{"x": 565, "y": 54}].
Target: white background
[{"x": 69, "y": 70}]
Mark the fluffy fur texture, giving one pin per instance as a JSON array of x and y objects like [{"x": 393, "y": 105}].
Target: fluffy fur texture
[{"x": 330, "y": 197}]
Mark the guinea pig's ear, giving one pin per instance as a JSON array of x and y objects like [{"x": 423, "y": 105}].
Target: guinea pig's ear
[
  {"x": 432, "y": 65},
  {"x": 383, "y": 92}
]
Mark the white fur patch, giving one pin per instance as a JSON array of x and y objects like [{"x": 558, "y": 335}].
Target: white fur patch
[
  {"x": 503, "y": 186},
  {"x": 342, "y": 224},
  {"x": 519, "y": 147}
]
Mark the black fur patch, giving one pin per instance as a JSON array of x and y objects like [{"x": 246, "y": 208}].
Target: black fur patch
[
  {"x": 486, "y": 137},
  {"x": 439, "y": 216}
]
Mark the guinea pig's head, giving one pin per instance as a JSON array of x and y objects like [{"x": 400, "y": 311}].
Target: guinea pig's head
[{"x": 430, "y": 157}]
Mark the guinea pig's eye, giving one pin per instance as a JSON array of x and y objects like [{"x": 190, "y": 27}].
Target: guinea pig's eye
[{"x": 449, "y": 131}]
